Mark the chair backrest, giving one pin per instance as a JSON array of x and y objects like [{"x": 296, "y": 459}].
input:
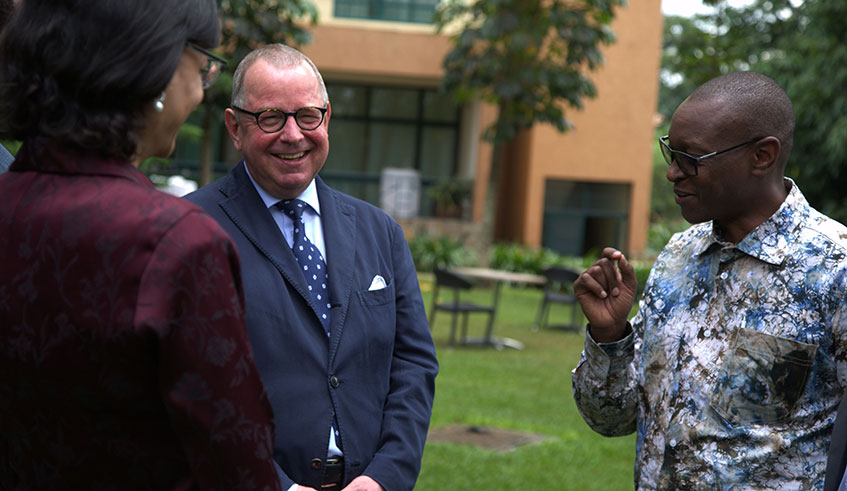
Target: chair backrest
[
  {"x": 560, "y": 275},
  {"x": 451, "y": 279}
]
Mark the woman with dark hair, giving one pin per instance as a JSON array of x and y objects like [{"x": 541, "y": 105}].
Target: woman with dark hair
[{"x": 124, "y": 362}]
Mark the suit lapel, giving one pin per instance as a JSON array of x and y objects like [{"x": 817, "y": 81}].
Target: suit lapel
[
  {"x": 248, "y": 212},
  {"x": 340, "y": 237}
]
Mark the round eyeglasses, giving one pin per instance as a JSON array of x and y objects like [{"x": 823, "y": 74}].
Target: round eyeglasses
[
  {"x": 214, "y": 66},
  {"x": 273, "y": 120},
  {"x": 688, "y": 163}
]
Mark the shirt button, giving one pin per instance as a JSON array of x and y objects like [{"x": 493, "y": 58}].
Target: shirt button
[
  {"x": 317, "y": 464},
  {"x": 334, "y": 382},
  {"x": 724, "y": 275}
]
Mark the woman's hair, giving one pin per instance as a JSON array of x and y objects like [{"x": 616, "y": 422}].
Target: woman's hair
[
  {"x": 6, "y": 9},
  {"x": 85, "y": 71}
]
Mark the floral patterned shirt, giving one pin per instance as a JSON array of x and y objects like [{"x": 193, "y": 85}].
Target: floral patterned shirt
[{"x": 736, "y": 361}]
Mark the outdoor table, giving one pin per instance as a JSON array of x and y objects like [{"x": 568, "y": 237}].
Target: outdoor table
[{"x": 497, "y": 277}]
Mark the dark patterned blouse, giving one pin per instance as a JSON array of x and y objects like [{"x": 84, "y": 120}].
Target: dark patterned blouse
[{"x": 124, "y": 363}]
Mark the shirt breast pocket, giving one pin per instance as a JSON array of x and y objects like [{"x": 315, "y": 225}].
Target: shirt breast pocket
[{"x": 762, "y": 378}]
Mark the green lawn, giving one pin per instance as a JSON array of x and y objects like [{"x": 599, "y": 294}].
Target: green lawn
[{"x": 527, "y": 390}]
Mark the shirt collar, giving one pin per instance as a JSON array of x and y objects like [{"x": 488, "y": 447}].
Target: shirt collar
[
  {"x": 772, "y": 240},
  {"x": 309, "y": 195}
]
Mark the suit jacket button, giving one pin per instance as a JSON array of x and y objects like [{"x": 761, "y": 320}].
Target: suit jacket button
[
  {"x": 334, "y": 382},
  {"x": 317, "y": 464}
]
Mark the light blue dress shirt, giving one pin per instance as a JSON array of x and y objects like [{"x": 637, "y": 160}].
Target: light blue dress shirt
[
  {"x": 6, "y": 159},
  {"x": 314, "y": 231}
]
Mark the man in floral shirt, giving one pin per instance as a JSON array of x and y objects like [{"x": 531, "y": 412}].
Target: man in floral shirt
[{"x": 732, "y": 370}]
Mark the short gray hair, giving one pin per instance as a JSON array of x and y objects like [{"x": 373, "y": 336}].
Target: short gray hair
[{"x": 278, "y": 55}]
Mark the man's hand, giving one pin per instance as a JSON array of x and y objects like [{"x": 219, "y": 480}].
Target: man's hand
[
  {"x": 363, "y": 483},
  {"x": 606, "y": 292}
]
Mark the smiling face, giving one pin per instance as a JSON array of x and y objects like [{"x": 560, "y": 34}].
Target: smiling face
[
  {"x": 722, "y": 189},
  {"x": 283, "y": 163}
]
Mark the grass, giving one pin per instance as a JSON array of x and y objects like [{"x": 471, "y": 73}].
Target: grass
[{"x": 527, "y": 390}]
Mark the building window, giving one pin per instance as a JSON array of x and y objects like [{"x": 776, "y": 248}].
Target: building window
[
  {"x": 583, "y": 217},
  {"x": 375, "y": 127},
  {"x": 421, "y": 11}
]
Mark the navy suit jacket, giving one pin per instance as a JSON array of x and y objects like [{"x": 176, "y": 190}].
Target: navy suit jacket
[{"x": 376, "y": 371}]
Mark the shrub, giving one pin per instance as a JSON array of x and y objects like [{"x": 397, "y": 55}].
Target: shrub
[
  {"x": 429, "y": 252},
  {"x": 521, "y": 258}
]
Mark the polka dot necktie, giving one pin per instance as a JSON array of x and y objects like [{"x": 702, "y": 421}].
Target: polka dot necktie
[{"x": 309, "y": 259}]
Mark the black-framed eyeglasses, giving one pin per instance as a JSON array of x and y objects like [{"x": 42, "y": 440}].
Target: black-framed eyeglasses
[
  {"x": 214, "y": 66},
  {"x": 688, "y": 163},
  {"x": 273, "y": 120}
]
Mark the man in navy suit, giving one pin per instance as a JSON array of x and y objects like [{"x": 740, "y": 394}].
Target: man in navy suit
[{"x": 347, "y": 359}]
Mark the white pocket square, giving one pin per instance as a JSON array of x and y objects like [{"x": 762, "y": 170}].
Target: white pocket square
[{"x": 378, "y": 283}]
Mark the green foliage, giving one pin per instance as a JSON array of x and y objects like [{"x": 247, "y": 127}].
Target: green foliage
[
  {"x": 796, "y": 46},
  {"x": 11, "y": 145},
  {"x": 529, "y": 57},
  {"x": 662, "y": 203},
  {"x": 429, "y": 252},
  {"x": 660, "y": 232},
  {"x": 449, "y": 196},
  {"x": 818, "y": 46},
  {"x": 665, "y": 218},
  {"x": 698, "y": 49},
  {"x": 522, "y": 259},
  {"x": 250, "y": 24}
]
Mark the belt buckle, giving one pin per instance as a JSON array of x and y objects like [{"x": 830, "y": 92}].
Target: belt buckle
[{"x": 333, "y": 473}]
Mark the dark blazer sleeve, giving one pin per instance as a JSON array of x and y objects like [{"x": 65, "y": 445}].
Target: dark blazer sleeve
[
  {"x": 191, "y": 303},
  {"x": 837, "y": 449},
  {"x": 408, "y": 407},
  {"x": 209, "y": 198}
]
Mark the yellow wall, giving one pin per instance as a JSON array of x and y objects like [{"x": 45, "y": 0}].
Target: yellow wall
[{"x": 612, "y": 138}]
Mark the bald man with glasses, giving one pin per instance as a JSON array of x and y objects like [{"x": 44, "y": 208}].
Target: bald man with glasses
[{"x": 731, "y": 371}]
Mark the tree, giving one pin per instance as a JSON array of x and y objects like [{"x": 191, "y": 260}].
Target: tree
[
  {"x": 527, "y": 57},
  {"x": 698, "y": 49},
  {"x": 812, "y": 66},
  {"x": 803, "y": 46},
  {"x": 247, "y": 25}
]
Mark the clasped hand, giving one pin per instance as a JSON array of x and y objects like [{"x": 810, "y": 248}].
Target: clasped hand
[{"x": 361, "y": 483}]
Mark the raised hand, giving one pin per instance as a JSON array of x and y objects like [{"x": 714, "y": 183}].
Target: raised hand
[{"x": 606, "y": 292}]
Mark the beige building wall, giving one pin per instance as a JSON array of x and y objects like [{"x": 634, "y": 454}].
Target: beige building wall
[{"x": 612, "y": 137}]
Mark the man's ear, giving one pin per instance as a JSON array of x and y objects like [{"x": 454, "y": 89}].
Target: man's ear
[
  {"x": 328, "y": 114},
  {"x": 766, "y": 154},
  {"x": 232, "y": 127}
]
